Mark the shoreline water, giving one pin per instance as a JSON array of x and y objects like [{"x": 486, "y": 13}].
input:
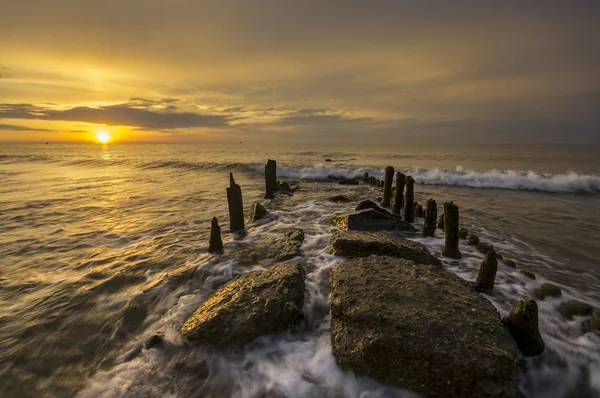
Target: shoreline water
[{"x": 180, "y": 239}]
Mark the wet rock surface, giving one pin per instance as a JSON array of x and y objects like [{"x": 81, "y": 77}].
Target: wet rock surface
[
  {"x": 254, "y": 304},
  {"x": 348, "y": 182},
  {"x": 578, "y": 308},
  {"x": 484, "y": 247},
  {"x": 363, "y": 244},
  {"x": 473, "y": 240},
  {"x": 257, "y": 211},
  {"x": 528, "y": 274},
  {"x": 523, "y": 325},
  {"x": 372, "y": 220},
  {"x": 340, "y": 199},
  {"x": 419, "y": 327},
  {"x": 369, "y": 204},
  {"x": 547, "y": 290},
  {"x": 287, "y": 247}
]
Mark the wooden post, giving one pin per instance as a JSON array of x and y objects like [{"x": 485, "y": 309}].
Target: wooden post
[
  {"x": 215, "y": 244},
  {"x": 366, "y": 177},
  {"x": 409, "y": 200},
  {"x": 487, "y": 271},
  {"x": 451, "y": 220},
  {"x": 398, "y": 194},
  {"x": 387, "y": 187},
  {"x": 270, "y": 178},
  {"x": 430, "y": 219},
  {"x": 418, "y": 211},
  {"x": 236, "y": 206}
]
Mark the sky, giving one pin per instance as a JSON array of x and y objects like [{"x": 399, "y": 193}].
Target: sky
[{"x": 300, "y": 71}]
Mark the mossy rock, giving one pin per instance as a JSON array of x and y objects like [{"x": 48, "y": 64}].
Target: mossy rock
[
  {"x": 528, "y": 274},
  {"x": 523, "y": 324},
  {"x": 254, "y": 304},
  {"x": 578, "y": 308},
  {"x": 547, "y": 290}
]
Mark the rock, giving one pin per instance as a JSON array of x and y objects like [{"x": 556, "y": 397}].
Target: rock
[
  {"x": 348, "y": 182},
  {"x": 258, "y": 211},
  {"x": 154, "y": 340},
  {"x": 578, "y": 308},
  {"x": 484, "y": 248},
  {"x": 473, "y": 240},
  {"x": 254, "y": 304},
  {"x": 288, "y": 247},
  {"x": 215, "y": 243},
  {"x": 369, "y": 204},
  {"x": 528, "y": 274},
  {"x": 451, "y": 222},
  {"x": 595, "y": 321},
  {"x": 463, "y": 233},
  {"x": 440, "y": 224},
  {"x": 372, "y": 220},
  {"x": 499, "y": 256},
  {"x": 340, "y": 199},
  {"x": 547, "y": 290},
  {"x": 387, "y": 187},
  {"x": 523, "y": 324},
  {"x": 430, "y": 217},
  {"x": 328, "y": 160},
  {"x": 510, "y": 263},
  {"x": 419, "y": 327},
  {"x": 487, "y": 272},
  {"x": 362, "y": 244},
  {"x": 284, "y": 187}
]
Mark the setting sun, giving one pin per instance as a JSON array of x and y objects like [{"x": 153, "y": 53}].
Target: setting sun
[{"x": 103, "y": 137}]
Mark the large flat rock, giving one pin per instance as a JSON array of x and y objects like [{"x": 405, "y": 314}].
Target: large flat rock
[
  {"x": 254, "y": 304},
  {"x": 363, "y": 244},
  {"x": 420, "y": 327},
  {"x": 372, "y": 220}
]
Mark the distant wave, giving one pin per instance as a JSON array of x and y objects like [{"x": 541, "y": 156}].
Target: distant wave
[{"x": 509, "y": 179}]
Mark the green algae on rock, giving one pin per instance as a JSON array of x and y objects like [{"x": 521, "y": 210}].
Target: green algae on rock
[
  {"x": 419, "y": 327},
  {"x": 523, "y": 324},
  {"x": 254, "y": 304},
  {"x": 547, "y": 290}
]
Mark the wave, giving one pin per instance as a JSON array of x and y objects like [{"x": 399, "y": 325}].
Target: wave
[{"x": 509, "y": 179}]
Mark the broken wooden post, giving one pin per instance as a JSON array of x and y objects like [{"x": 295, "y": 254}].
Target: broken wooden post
[
  {"x": 215, "y": 243},
  {"x": 524, "y": 327},
  {"x": 487, "y": 272},
  {"x": 409, "y": 200},
  {"x": 430, "y": 219},
  {"x": 387, "y": 187},
  {"x": 270, "y": 178},
  {"x": 366, "y": 177},
  {"x": 419, "y": 211},
  {"x": 451, "y": 230},
  {"x": 398, "y": 194},
  {"x": 236, "y": 206}
]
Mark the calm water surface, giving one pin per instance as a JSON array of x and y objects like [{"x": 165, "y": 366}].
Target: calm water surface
[{"x": 101, "y": 246}]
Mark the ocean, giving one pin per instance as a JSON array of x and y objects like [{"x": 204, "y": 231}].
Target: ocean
[{"x": 103, "y": 245}]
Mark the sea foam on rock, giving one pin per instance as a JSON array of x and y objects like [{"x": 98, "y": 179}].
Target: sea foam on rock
[
  {"x": 362, "y": 244},
  {"x": 419, "y": 327},
  {"x": 372, "y": 220},
  {"x": 254, "y": 304}
]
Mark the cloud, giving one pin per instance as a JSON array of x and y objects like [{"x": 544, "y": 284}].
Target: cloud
[
  {"x": 303, "y": 117},
  {"x": 4, "y": 73},
  {"x": 12, "y": 127},
  {"x": 138, "y": 113}
]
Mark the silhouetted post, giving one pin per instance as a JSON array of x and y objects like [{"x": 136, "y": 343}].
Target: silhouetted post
[
  {"x": 270, "y": 178},
  {"x": 366, "y": 177},
  {"x": 487, "y": 271},
  {"x": 430, "y": 218},
  {"x": 215, "y": 244},
  {"x": 451, "y": 230},
  {"x": 409, "y": 200},
  {"x": 236, "y": 206},
  {"x": 441, "y": 222},
  {"x": 418, "y": 211},
  {"x": 387, "y": 187},
  {"x": 398, "y": 194}
]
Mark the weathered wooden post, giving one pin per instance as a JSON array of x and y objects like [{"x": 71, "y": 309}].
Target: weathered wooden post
[
  {"x": 430, "y": 218},
  {"x": 487, "y": 271},
  {"x": 215, "y": 243},
  {"x": 398, "y": 194},
  {"x": 451, "y": 230},
  {"x": 366, "y": 177},
  {"x": 418, "y": 211},
  {"x": 523, "y": 325},
  {"x": 409, "y": 200},
  {"x": 387, "y": 187},
  {"x": 270, "y": 178},
  {"x": 236, "y": 206}
]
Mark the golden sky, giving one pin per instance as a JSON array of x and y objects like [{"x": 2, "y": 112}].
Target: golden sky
[{"x": 183, "y": 70}]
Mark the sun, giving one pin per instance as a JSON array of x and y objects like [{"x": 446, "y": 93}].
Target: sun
[{"x": 103, "y": 137}]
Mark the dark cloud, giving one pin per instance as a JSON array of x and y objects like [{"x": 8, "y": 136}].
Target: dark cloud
[
  {"x": 12, "y": 127},
  {"x": 303, "y": 117},
  {"x": 137, "y": 113}
]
